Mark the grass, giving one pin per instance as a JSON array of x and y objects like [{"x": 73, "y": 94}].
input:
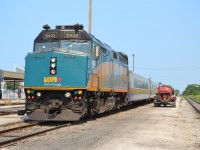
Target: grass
[
  {"x": 195, "y": 97},
  {"x": 182, "y": 98}
]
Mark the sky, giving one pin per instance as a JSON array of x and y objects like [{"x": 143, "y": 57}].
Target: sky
[{"x": 163, "y": 35}]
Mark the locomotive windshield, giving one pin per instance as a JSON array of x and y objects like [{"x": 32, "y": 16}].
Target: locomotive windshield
[
  {"x": 76, "y": 46},
  {"x": 46, "y": 46},
  {"x": 81, "y": 46}
]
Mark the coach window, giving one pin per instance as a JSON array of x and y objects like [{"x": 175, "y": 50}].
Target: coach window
[{"x": 136, "y": 83}]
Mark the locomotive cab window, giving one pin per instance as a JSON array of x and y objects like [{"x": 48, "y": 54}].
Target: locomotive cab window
[
  {"x": 46, "y": 46},
  {"x": 81, "y": 46}
]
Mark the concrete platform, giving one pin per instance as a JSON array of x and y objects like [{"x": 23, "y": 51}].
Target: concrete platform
[{"x": 11, "y": 102}]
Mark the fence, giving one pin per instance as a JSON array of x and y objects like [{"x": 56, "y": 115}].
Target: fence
[{"x": 11, "y": 94}]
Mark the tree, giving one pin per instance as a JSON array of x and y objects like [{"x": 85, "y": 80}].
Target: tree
[
  {"x": 10, "y": 85},
  {"x": 177, "y": 92},
  {"x": 192, "y": 89}
]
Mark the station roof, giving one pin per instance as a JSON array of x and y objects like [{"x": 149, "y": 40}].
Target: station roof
[{"x": 11, "y": 76}]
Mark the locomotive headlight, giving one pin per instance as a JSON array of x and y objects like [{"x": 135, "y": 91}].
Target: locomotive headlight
[
  {"x": 53, "y": 60},
  {"x": 53, "y": 65},
  {"x": 80, "y": 91},
  {"x": 28, "y": 91},
  {"x": 53, "y": 71},
  {"x": 39, "y": 94},
  {"x": 67, "y": 94}
]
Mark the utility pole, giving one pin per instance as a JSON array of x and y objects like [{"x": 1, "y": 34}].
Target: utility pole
[
  {"x": 133, "y": 62},
  {"x": 90, "y": 17},
  {"x": 150, "y": 83}
]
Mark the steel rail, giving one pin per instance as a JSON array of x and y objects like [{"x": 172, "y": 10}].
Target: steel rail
[
  {"x": 3, "y": 113},
  {"x": 194, "y": 104},
  {"x": 17, "y": 128},
  {"x": 9, "y": 110},
  {"x": 9, "y": 141}
]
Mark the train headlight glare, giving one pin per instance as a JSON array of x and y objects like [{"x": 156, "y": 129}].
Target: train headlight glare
[
  {"x": 28, "y": 91},
  {"x": 53, "y": 60},
  {"x": 39, "y": 94},
  {"x": 53, "y": 65},
  {"x": 67, "y": 94},
  {"x": 53, "y": 71}
]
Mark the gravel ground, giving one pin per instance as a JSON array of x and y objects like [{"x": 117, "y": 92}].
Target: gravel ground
[{"x": 142, "y": 128}]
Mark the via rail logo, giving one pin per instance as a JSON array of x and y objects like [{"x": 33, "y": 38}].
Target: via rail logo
[{"x": 52, "y": 81}]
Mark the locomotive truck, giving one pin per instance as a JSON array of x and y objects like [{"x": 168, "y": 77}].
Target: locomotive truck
[{"x": 71, "y": 74}]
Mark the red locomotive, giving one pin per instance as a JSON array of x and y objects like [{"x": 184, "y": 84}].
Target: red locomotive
[{"x": 165, "y": 96}]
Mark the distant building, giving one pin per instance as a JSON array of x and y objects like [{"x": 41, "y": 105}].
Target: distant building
[{"x": 19, "y": 69}]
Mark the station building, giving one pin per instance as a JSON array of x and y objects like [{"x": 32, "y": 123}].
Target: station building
[{"x": 16, "y": 78}]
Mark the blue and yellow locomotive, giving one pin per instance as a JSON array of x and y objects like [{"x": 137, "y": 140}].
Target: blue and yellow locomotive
[{"x": 71, "y": 74}]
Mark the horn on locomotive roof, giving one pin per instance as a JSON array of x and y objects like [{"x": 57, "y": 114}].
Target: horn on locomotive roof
[
  {"x": 46, "y": 27},
  {"x": 71, "y": 27}
]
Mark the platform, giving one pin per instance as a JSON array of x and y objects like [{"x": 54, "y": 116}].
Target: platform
[{"x": 11, "y": 102}]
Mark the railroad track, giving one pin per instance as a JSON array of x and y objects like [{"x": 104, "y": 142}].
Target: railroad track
[
  {"x": 7, "y": 110},
  {"x": 3, "y": 113},
  {"x": 21, "y": 132},
  {"x": 195, "y": 104},
  {"x": 18, "y": 132}
]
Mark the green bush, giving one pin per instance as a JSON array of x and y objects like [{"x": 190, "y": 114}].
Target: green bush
[{"x": 10, "y": 85}]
